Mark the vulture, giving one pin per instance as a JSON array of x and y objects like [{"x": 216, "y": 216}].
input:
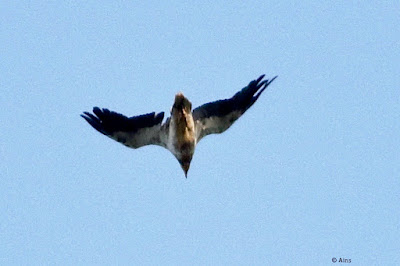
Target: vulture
[{"x": 183, "y": 130}]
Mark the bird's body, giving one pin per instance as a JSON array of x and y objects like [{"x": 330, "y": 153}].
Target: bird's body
[
  {"x": 182, "y": 134},
  {"x": 184, "y": 129}
]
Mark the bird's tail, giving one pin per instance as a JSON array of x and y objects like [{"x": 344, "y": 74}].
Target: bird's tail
[{"x": 181, "y": 102}]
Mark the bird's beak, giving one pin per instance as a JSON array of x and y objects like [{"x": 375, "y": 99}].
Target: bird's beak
[{"x": 185, "y": 168}]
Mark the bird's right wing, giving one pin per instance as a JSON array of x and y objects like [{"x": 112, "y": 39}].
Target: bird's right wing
[
  {"x": 134, "y": 132},
  {"x": 216, "y": 117}
]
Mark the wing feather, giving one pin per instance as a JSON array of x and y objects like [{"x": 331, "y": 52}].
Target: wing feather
[
  {"x": 134, "y": 132},
  {"x": 216, "y": 117}
]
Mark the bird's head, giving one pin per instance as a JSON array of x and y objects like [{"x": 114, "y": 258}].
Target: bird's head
[{"x": 185, "y": 164}]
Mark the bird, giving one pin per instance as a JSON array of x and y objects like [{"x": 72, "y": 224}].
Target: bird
[{"x": 182, "y": 131}]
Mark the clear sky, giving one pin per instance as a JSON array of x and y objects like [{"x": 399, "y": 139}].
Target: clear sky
[{"x": 311, "y": 172}]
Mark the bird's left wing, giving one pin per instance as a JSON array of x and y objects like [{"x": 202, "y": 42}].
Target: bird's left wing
[
  {"x": 216, "y": 117},
  {"x": 134, "y": 132}
]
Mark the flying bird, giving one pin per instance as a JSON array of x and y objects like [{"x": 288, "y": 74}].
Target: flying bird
[{"x": 183, "y": 130}]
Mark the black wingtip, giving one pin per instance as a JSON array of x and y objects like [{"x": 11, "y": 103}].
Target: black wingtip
[
  {"x": 260, "y": 78},
  {"x": 86, "y": 116},
  {"x": 270, "y": 81},
  {"x": 107, "y": 122},
  {"x": 264, "y": 85},
  {"x": 94, "y": 122}
]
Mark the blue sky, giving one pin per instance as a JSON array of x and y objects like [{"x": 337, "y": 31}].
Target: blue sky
[{"x": 309, "y": 173}]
